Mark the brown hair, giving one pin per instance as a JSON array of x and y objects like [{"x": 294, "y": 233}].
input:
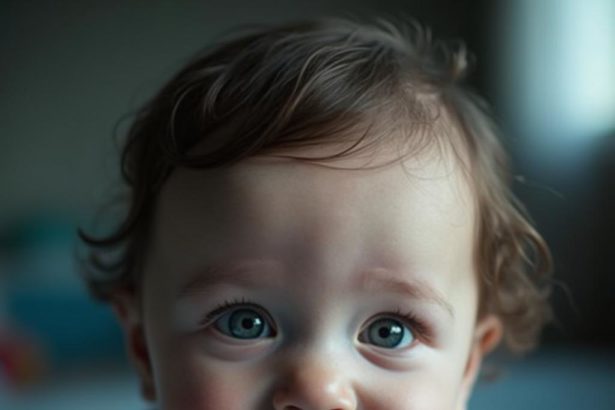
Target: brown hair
[{"x": 308, "y": 84}]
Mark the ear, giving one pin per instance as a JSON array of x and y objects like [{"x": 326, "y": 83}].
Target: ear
[
  {"x": 487, "y": 336},
  {"x": 127, "y": 311}
]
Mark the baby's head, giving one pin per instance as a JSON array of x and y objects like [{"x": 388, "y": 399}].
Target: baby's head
[{"x": 320, "y": 218}]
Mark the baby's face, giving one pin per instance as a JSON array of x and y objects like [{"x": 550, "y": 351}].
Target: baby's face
[{"x": 278, "y": 284}]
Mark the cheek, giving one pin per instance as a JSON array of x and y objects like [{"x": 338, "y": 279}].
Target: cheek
[
  {"x": 416, "y": 392},
  {"x": 186, "y": 381}
]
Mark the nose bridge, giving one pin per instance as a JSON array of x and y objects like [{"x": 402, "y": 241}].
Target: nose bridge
[{"x": 314, "y": 379}]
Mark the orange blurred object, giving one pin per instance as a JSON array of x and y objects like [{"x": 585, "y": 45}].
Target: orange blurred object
[{"x": 21, "y": 359}]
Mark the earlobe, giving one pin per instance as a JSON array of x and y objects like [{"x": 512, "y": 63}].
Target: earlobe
[
  {"x": 128, "y": 314},
  {"x": 487, "y": 335}
]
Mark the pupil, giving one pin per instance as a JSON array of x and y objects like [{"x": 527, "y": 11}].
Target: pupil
[
  {"x": 384, "y": 332},
  {"x": 247, "y": 323}
]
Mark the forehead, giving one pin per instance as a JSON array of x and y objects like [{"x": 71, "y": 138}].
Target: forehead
[{"x": 415, "y": 215}]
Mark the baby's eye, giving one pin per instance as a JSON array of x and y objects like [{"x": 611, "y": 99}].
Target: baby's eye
[
  {"x": 387, "y": 333},
  {"x": 244, "y": 323}
]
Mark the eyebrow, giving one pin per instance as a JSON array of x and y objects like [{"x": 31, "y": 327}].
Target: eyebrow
[
  {"x": 373, "y": 281},
  {"x": 383, "y": 280},
  {"x": 246, "y": 275}
]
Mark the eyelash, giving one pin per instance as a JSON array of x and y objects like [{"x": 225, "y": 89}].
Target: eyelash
[
  {"x": 419, "y": 327},
  {"x": 227, "y": 305}
]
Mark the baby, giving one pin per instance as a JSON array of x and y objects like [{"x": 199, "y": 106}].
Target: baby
[{"x": 320, "y": 218}]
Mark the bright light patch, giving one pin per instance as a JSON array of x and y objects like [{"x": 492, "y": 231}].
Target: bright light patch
[
  {"x": 587, "y": 54},
  {"x": 559, "y": 68}
]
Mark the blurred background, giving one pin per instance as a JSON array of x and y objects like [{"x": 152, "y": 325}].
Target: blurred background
[{"x": 69, "y": 70}]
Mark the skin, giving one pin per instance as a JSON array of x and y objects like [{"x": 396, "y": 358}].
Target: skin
[{"x": 320, "y": 255}]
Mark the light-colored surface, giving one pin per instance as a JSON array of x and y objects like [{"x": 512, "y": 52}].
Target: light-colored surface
[{"x": 571, "y": 378}]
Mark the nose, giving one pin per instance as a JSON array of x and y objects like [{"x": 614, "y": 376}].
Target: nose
[{"x": 314, "y": 385}]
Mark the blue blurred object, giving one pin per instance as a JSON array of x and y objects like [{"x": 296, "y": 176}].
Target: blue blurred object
[
  {"x": 46, "y": 300},
  {"x": 574, "y": 377},
  {"x": 69, "y": 325}
]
